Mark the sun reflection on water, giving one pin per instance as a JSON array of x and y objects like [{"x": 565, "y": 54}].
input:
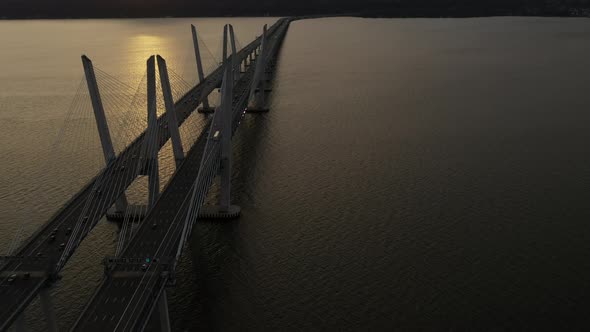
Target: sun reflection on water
[{"x": 139, "y": 49}]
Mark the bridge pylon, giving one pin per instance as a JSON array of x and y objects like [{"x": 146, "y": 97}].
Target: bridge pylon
[
  {"x": 170, "y": 112},
  {"x": 101, "y": 123},
  {"x": 148, "y": 158},
  {"x": 224, "y": 209},
  {"x": 234, "y": 62},
  {"x": 259, "y": 83},
  {"x": 226, "y": 133},
  {"x": 224, "y": 52},
  {"x": 149, "y": 154},
  {"x": 206, "y": 107}
]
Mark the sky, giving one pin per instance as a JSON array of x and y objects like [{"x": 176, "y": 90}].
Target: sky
[{"x": 162, "y": 8}]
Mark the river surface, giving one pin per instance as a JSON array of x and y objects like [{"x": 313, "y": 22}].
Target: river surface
[{"x": 412, "y": 174}]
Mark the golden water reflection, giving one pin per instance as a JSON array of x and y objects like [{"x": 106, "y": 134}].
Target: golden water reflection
[{"x": 139, "y": 48}]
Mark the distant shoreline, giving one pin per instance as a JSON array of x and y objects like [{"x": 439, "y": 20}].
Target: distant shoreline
[
  {"x": 375, "y": 12},
  {"x": 23, "y": 18}
]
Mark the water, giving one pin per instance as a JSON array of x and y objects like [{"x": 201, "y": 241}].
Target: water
[{"x": 424, "y": 174}]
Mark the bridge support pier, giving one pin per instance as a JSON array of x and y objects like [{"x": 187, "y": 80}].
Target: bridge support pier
[
  {"x": 213, "y": 212},
  {"x": 47, "y": 308},
  {"x": 206, "y": 110},
  {"x": 244, "y": 65},
  {"x": 164, "y": 314}
]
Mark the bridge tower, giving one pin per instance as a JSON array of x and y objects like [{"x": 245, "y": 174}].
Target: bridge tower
[
  {"x": 170, "y": 112},
  {"x": 206, "y": 108},
  {"x": 259, "y": 82},
  {"x": 101, "y": 123},
  {"x": 223, "y": 121},
  {"x": 234, "y": 62},
  {"x": 224, "y": 54},
  {"x": 226, "y": 133},
  {"x": 149, "y": 153}
]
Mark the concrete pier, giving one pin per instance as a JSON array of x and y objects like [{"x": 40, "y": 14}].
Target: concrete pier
[
  {"x": 136, "y": 213},
  {"x": 215, "y": 212}
]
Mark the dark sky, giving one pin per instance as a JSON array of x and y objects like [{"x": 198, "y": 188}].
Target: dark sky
[{"x": 150, "y": 8}]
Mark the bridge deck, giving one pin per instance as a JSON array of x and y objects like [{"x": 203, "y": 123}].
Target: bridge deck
[
  {"x": 15, "y": 296},
  {"x": 127, "y": 296}
]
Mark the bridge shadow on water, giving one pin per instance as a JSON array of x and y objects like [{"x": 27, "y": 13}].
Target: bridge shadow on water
[{"x": 207, "y": 277}]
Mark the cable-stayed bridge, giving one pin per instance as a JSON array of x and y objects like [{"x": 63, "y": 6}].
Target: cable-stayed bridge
[{"x": 148, "y": 250}]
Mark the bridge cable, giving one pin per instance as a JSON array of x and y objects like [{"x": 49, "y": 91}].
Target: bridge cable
[
  {"x": 207, "y": 156},
  {"x": 73, "y": 108},
  {"x": 84, "y": 224},
  {"x": 125, "y": 232},
  {"x": 209, "y": 166}
]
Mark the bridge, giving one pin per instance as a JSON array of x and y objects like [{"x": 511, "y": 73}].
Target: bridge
[{"x": 135, "y": 280}]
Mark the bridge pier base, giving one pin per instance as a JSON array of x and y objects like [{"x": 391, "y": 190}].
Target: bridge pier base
[
  {"x": 215, "y": 212},
  {"x": 137, "y": 212},
  {"x": 259, "y": 105},
  {"x": 164, "y": 315},
  {"x": 206, "y": 110},
  {"x": 47, "y": 308}
]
